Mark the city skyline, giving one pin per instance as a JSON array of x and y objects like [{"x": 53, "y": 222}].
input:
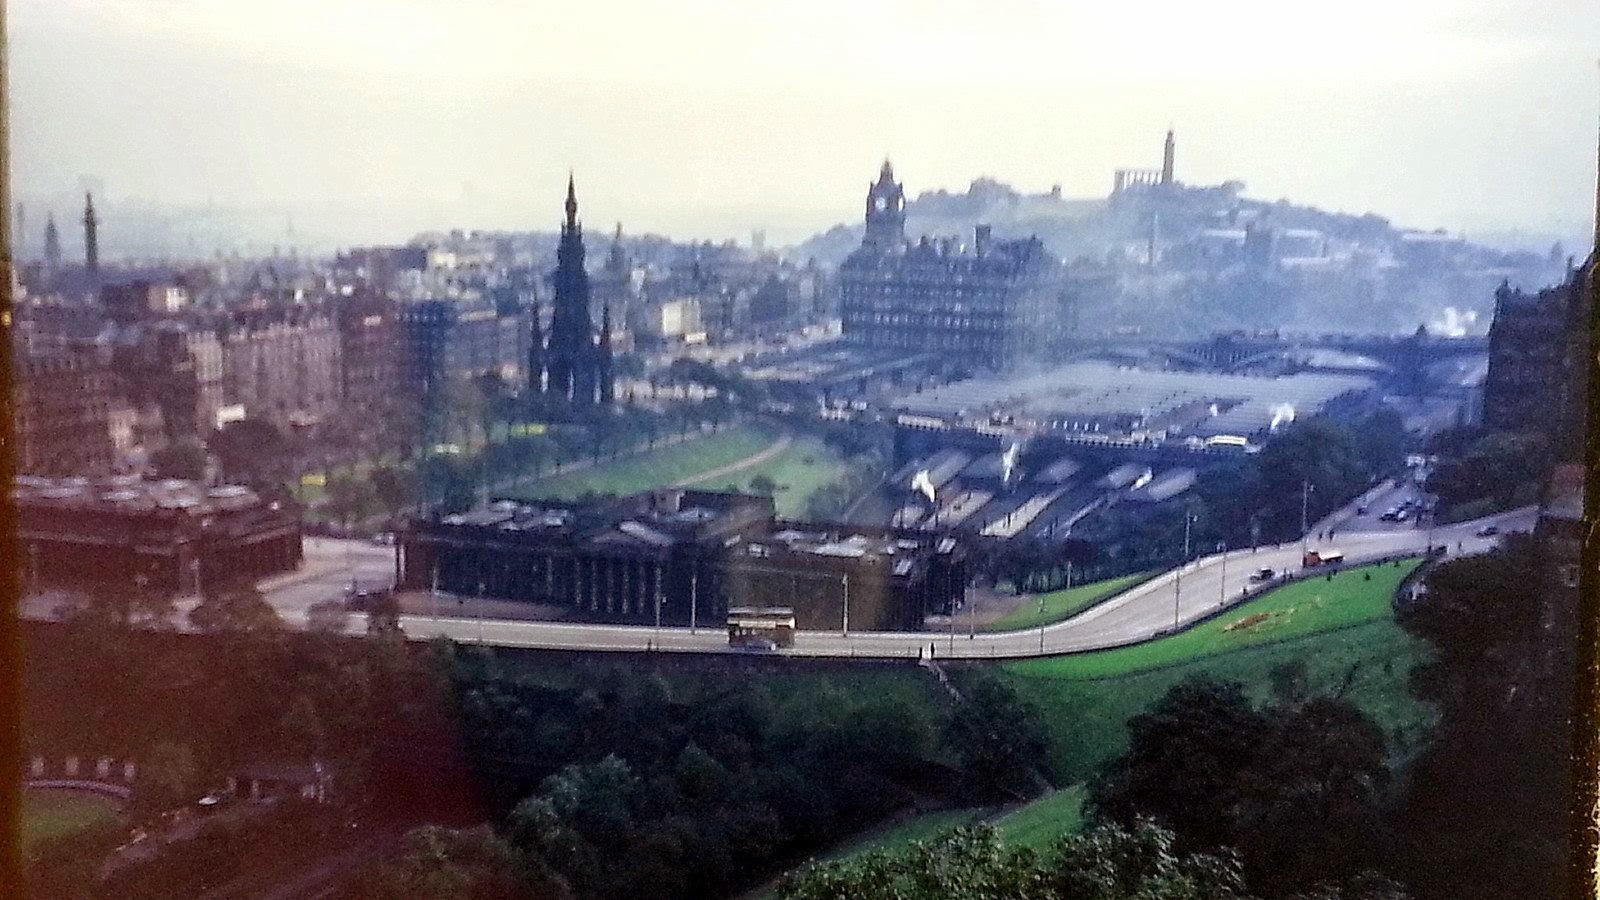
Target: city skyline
[{"x": 353, "y": 126}]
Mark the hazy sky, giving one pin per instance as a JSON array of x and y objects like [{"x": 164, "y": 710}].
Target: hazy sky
[{"x": 702, "y": 118}]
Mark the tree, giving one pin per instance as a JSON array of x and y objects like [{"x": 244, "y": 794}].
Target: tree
[
  {"x": 235, "y": 607},
  {"x": 437, "y": 863},
  {"x": 1107, "y": 863},
  {"x": 349, "y": 498},
  {"x": 394, "y": 491},
  {"x": 1499, "y": 468},
  {"x": 1485, "y": 810},
  {"x": 763, "y": 485},
  {"x": 252, "y": 451},
  {"x": 997, "y": 736},
  {"x": 1183, "y": 762},
  {"x": 1309, "y": 807},
  {"x": 1313, "y": 451},
  {"x": 186, "y": 460},
  {"x": 301, "y": 731},
  {"x": 1298, "y": 790},
  {"x": 167, "y": 777}
]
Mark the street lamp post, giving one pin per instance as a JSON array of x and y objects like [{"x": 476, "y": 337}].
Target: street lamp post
[
  {"x": 1222, "y": 587},
  {"x": 1177, "y": 584},
  {"x": 479, "y": 608},
  {"x": 1305, "y": 506},
  {"x": 845, "y": 579}
]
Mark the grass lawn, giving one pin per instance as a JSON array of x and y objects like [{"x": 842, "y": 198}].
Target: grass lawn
[
  {"x": 801, "y": 470},
  {"x": 1044, "y": 821},
  {"x": 1342, "y": 631},
  {"x": 657, "y": 468},
  {"x": 48, "y": 814},
  {"x": 1058, "y": 605}
]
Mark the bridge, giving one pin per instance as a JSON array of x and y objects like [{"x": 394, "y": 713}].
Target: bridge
[{"x": 1408, "y": 357}]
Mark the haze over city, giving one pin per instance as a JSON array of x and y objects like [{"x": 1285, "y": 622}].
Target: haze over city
[
  {"x": 804, "y": 450},
  {"x": 364, "y": 121}
]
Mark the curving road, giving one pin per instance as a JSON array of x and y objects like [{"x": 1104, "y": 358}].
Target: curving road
[{"x": 1178, "y": 597}]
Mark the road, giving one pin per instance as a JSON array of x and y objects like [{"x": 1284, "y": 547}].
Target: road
[{"x": 1177, "y": 597}]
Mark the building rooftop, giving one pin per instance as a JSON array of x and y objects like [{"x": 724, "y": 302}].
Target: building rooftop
[
  {"x": 131, "y": 493},
  {"x": 1078, "y": 396}
]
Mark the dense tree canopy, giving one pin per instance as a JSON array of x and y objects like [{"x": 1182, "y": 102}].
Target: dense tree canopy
[{"x": 1298, "y": 790}]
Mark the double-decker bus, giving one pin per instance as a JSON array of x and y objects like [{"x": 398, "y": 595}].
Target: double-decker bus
[{"x": 760, "y": 627}]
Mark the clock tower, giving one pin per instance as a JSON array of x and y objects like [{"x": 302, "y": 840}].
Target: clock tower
[{"x": 886, "y": 211}]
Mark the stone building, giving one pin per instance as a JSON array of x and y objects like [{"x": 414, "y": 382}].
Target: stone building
[
  {"x": 1538, "y": 352},
  {"x": 989, "y": 302},
  {"x": 370, "y": 345},
  {"x": 63, "y": 401},
  {"x": 173, "y": 370},
  {"x": 682, "y": 557},
  {"x": 282, "y": 364},
  {"x": 173, "y": 536},
  {"x": 457, "y": 340}
]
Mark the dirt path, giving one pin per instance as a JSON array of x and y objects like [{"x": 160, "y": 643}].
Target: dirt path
[{"x": 755, "y": 459}]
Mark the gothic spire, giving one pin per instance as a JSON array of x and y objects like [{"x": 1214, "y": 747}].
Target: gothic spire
[{"x": 572, "y": 203}]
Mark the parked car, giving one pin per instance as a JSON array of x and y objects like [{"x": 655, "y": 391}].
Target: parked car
[
  {"x": 1489, "y": 531},
  {"x": 1262, "y": 575}
]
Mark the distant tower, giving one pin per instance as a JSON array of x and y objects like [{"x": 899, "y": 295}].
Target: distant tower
[
  {"x": 52, "y": 250},
  {"x": 886, "y": 211},
  {"x": 91, "y": 243},
  {"x": 570, "y": 353},
  {"x": 616, "y": 260},
  {"x": 603, "y": 373},
  {"x": 1167, "y": 153}
]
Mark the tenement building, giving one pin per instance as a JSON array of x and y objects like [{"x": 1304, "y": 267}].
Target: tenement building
[
  {"x": 683, "y": 557},
  {"x": 172, "y": 536},
  {"x": 1538, "y": 361},
  {"x": 63, "y": 404},
  {"x": 987, "y": 302},
  {"x": 282, "y": 364}
]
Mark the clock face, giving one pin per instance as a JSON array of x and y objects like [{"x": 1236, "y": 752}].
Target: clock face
[{"x": 880, "y": 204}]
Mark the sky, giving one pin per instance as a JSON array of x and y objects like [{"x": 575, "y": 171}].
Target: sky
[{"x": 705, "y": 119}]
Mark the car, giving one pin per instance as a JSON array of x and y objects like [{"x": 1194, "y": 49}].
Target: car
[
  {"x": 1262, "y": 575},
  {"x": 1361, "y": 510},
  {"x": 1392, "y": 515},
  {"x": 1489, "y": 531}
]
